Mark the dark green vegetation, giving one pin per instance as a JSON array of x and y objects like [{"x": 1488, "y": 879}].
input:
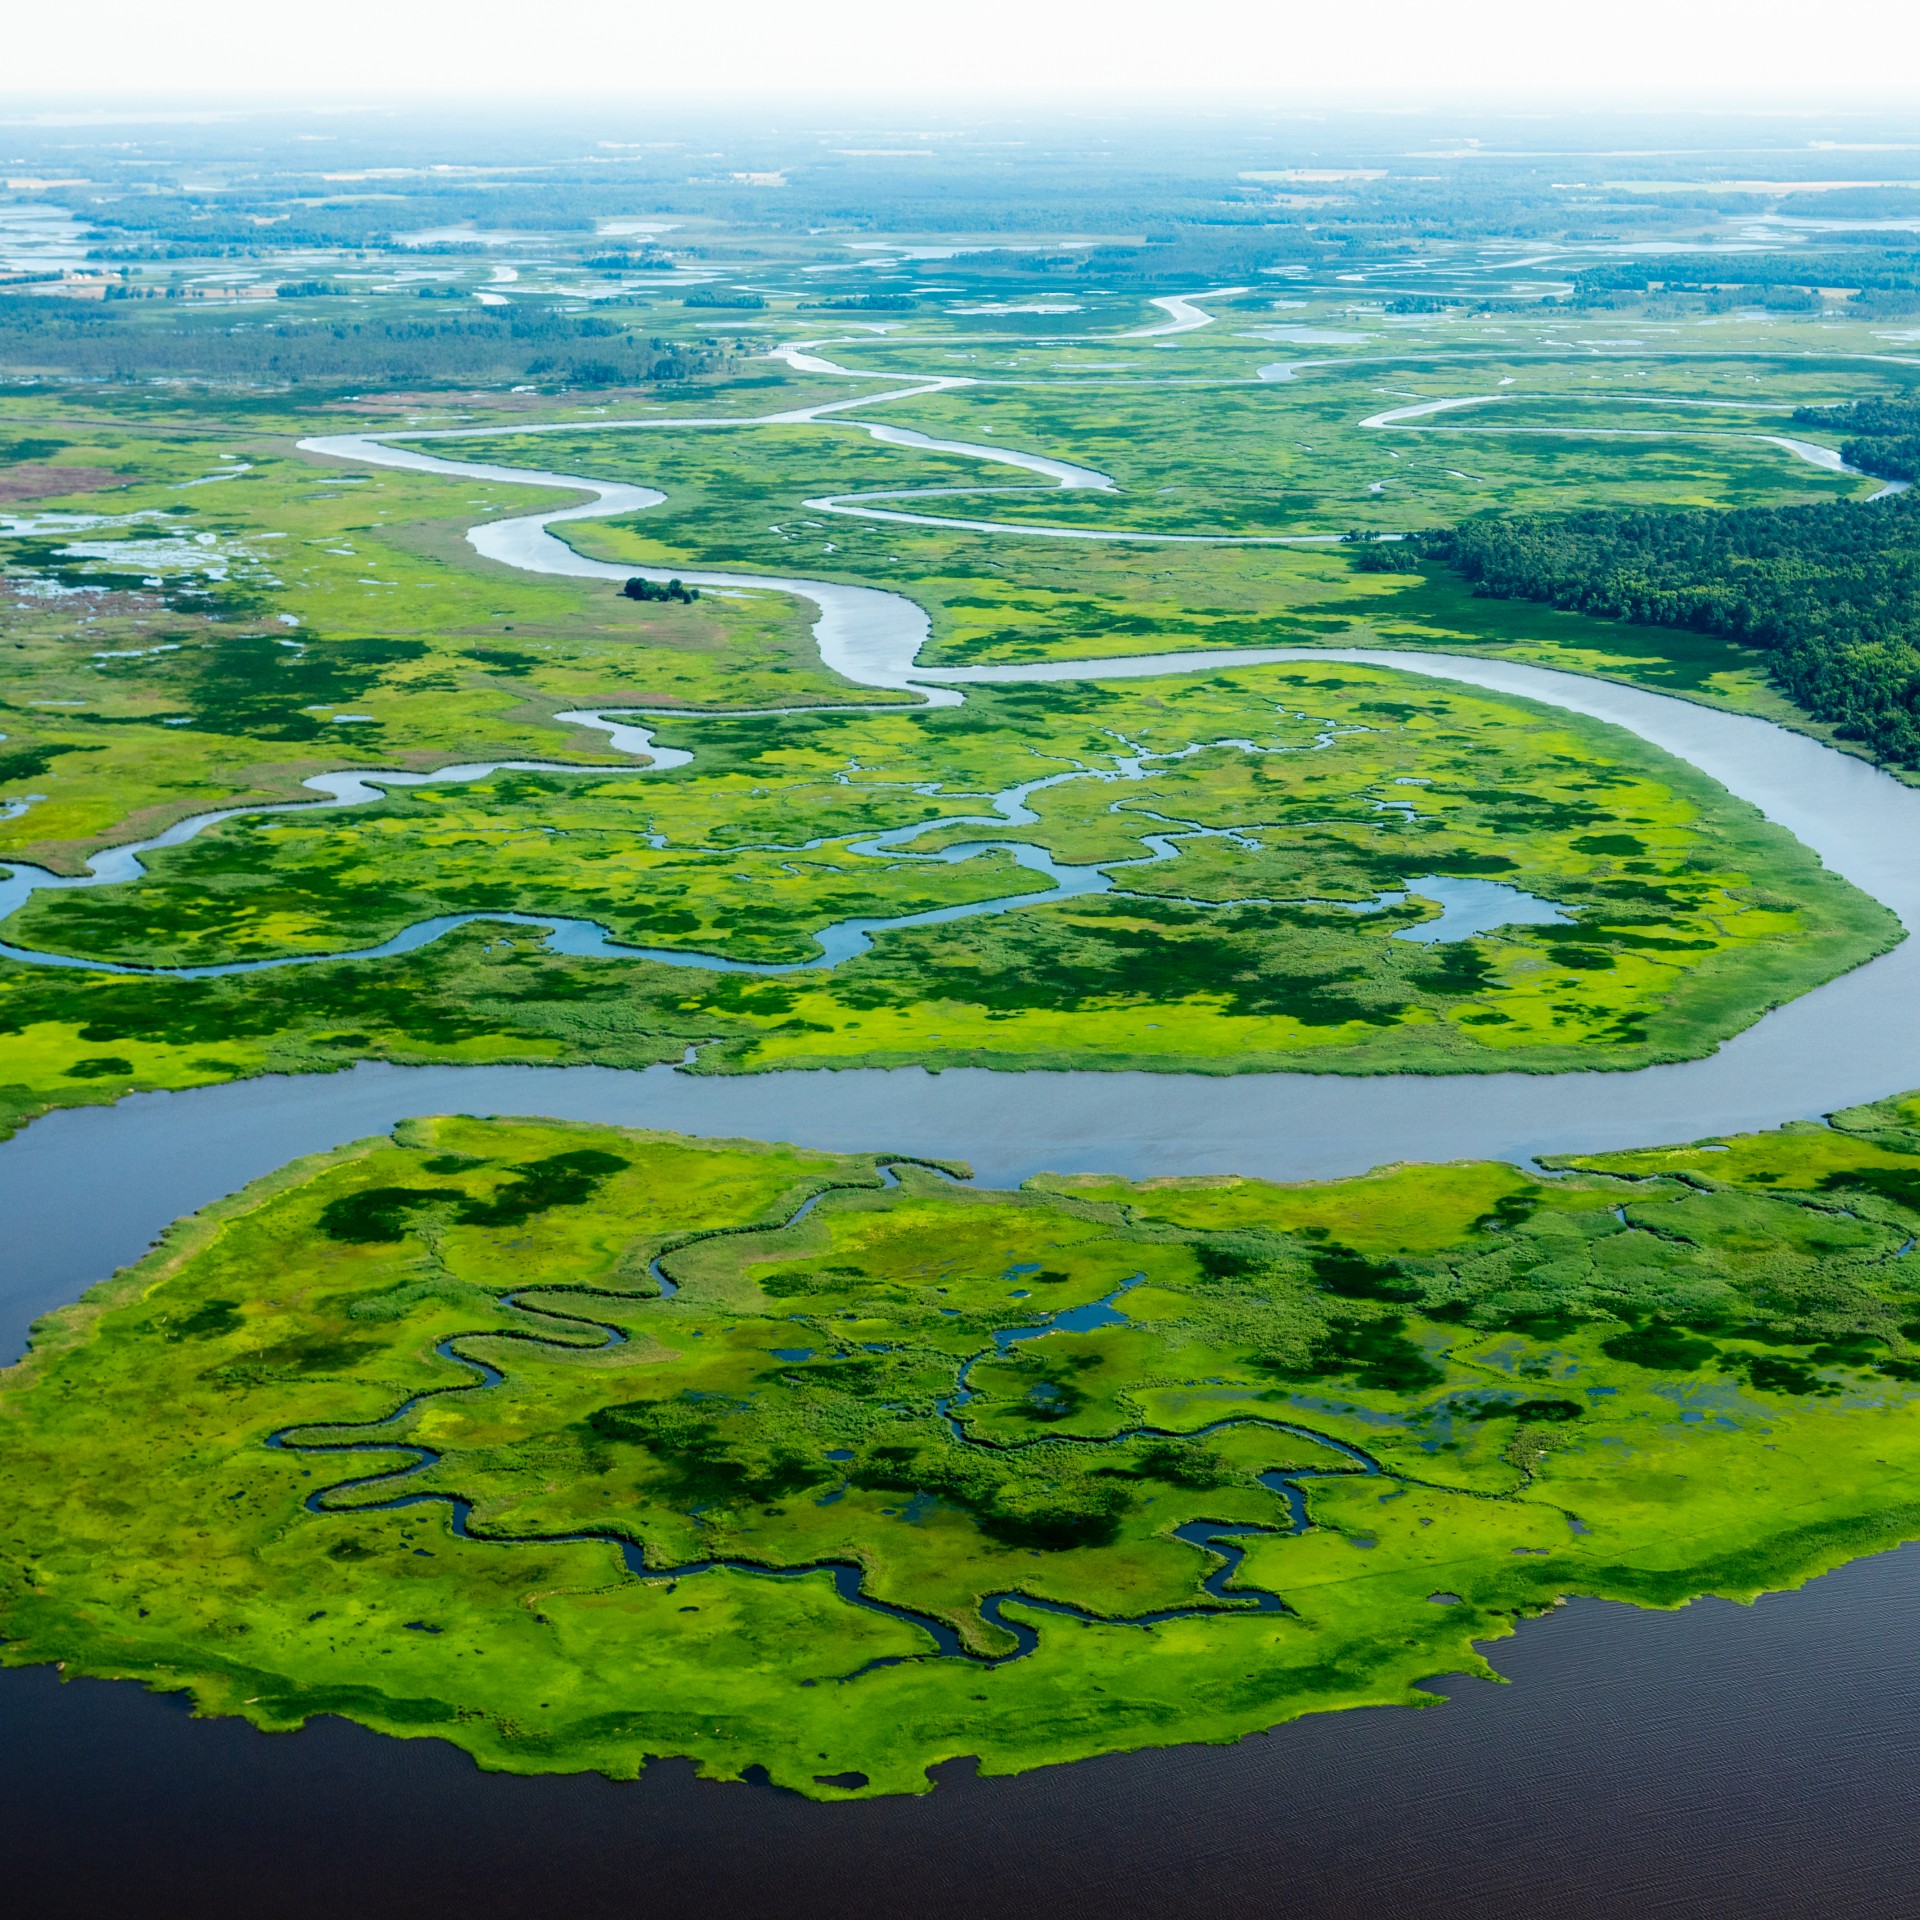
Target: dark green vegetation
[
  {"x": 1831, "y": 592},
  {"x": 577, "y": 1447},
  {"x": 1882, "y": 279},
  {"x": 119, "y": 341},
  {"x": 1884, "y": 434}
]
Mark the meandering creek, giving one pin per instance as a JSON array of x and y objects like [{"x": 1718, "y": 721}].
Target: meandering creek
[
  {"x": 1468, "y": 905},
  {"x": 1216, "y": 1538},
  {"x": 85, "y": 1189}
]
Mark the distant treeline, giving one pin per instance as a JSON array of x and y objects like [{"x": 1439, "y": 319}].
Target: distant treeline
[
  {"x": 868, "y": 303},
  {"x": 492, "y": 344},
  {"x": 1883, "y": 435},
  {"x": 150, "y": 225},
  {"x": 1884, "y": 280},
  {"x": 1831, "y": 592}
]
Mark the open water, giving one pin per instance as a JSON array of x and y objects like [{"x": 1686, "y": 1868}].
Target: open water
[{"x": 1717, "y": 1761}]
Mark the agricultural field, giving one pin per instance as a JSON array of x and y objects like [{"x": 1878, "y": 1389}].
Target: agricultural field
[{"x": 578, "y": 1447}]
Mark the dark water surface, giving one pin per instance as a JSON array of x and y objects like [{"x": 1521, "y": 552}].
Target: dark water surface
[{"x": 1719, "y": 1761}]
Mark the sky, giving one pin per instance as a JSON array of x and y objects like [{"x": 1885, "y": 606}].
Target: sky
[{"x": 1780, "y": 53}]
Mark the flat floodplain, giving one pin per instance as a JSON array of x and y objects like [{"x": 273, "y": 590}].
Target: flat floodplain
[
  {"x": 580, "y": 1448},
  {"x": 1245, "y": 850}
]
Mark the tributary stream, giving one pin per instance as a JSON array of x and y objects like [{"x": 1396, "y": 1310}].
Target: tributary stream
[{"x": 1715, "y": 1762}]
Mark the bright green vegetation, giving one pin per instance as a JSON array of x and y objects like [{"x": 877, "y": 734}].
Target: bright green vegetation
[
  {"x": 1216, "y": 459},
  {"x": 412, "y": 1433},
  {"x": 199, "y": 614},
  {"x": 579, "y": 1447},
  {"x": 1241, "y": 819},
  {"x": 223, "y": 629},
  {"x": 1226, "y": 455},
  {"x": 1292, "y": 457}
]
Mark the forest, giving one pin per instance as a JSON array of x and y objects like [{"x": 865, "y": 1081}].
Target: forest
[
  {"x": 1830, "y": 593},
  {"x": 128, "y": 340},
  {"x": 1883, "y": 435},
  {"x": 1883, "y": 279}
]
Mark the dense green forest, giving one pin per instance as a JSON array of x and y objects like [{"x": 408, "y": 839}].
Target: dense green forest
[
  {"x": 1830, "y": 592},
  {"x": 1884, "y": 277},
  {"x": 1883, "y": 435},
  {"x": 129, "y": 339}
]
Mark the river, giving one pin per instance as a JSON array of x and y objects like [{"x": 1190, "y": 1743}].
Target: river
[
  {"x": 84, "y": 1190},
  {"x": 1718, "y": 1761}
]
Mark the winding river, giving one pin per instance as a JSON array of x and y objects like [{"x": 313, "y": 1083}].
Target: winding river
[
  {"x": 85, "y": 1189},
  {"x": 383, "y": 1490},
  {"x": 1815, "y": 455},
  {"x": 1714, "y": 1760}
]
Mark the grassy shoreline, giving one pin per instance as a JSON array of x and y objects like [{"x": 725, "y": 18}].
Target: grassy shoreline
[{"x": 1654, "y": 1376}]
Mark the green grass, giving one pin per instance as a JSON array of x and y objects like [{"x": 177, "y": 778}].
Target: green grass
[
  {"x": 1691, "y": 914},
  {"x": 151, "y": 701},
  {"x": 162, "y": 688},
  {"x": 1654, "y": 1377}
]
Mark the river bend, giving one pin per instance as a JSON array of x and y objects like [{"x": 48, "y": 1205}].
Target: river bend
[{"x": 84, "y": 1189}]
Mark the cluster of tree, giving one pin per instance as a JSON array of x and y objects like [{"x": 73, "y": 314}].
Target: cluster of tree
[
  {"x": 1773, "y": 299},
  {"x": 1884, "y": 303},
  {"x": 1375, "y": 555},
  {"x": 1883, "y": 269},
  {"x": 639, "y": 589},
  {"x": 1855, "y": 203},
  {"x": 629, "y": 260},
  {"x": 868, "y": 303},
  {"x": 1883, "y": 435},
  {"x": 479, "y": 345},
  {"x": 1830, "y": 592},
  {"x": 172, "y": 224},
  {"x": 138, "y": 221},
  {"x": 724, "y": 297},
  {"x": 173, "y": 251}
]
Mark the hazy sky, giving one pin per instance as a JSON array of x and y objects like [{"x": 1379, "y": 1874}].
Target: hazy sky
[{"x": 1782, "y": 51}]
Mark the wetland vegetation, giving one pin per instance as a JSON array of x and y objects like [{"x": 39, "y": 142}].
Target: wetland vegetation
[
  {"x": 1257, "y": 831},
  {"x": 233, "y": 615},
  {"x": 578, "y": 1447}
]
